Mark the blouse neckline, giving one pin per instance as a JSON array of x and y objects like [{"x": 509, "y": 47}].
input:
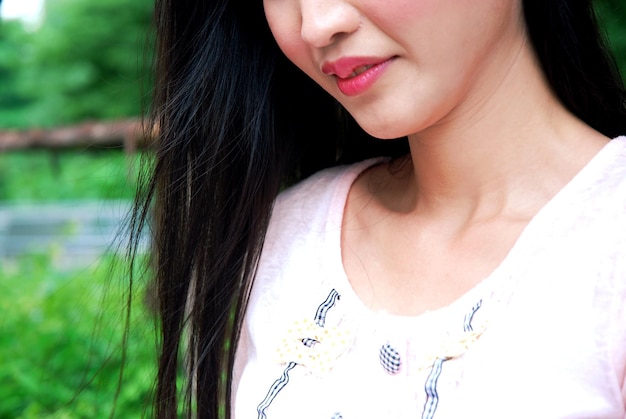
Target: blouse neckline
[{"x": 497, "y": 288}]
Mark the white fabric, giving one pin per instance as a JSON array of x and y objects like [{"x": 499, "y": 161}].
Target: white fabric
[{"x": 548, "y": 330}]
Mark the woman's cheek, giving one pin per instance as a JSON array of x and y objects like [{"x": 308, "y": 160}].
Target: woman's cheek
[
  {"x": 282, "y": 22},
  {"x": 295, "y": 50}
]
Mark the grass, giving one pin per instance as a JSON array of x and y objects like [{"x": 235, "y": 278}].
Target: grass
[{"x": 60, "y": 347}]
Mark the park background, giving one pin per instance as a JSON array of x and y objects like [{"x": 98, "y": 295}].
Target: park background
[{"x": 73, "y": 86}]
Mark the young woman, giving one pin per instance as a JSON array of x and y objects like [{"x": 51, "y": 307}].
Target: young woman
[{"x": 463, "y": 257}]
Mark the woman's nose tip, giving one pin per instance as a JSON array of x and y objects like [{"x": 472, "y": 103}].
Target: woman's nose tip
[{"x": 323, "y": 21}]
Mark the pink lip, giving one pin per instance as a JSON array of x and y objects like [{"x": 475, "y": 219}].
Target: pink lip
[{"x": 344, "y": 67}]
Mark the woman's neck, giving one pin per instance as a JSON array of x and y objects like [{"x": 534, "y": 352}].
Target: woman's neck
[{"x": 512, "y": 145}]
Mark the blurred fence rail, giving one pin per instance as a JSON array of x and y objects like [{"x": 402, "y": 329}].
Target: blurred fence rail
[
  {"x": 128, "y": 133},
  {"x": 74, "y": 232}
]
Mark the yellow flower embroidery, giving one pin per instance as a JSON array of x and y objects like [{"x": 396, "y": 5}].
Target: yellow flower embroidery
[
  {"x": 450, "y": 347},
  {"x": 313, "y": 346}
]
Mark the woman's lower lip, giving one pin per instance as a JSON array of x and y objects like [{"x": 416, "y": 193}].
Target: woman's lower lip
[{"x": 356, "y": 85}]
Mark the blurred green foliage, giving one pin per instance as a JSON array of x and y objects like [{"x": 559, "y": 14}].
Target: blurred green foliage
[
  {"x": 41, "y": 175},
  {"x": 88, "y": 60},
  {"x": 62, "y": 329},
  {"x": 61, "y": 340}
]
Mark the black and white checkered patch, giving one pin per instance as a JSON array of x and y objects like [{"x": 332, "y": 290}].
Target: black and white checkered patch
[{"x": 389, "y": 359}]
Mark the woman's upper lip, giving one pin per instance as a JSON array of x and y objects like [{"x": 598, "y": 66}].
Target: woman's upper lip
[{"x": 346, "y": 66}]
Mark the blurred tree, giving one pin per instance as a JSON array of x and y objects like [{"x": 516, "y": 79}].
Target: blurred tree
[
  {"x": 88, "y": 60},
  {"x": 15, "y": 48}
]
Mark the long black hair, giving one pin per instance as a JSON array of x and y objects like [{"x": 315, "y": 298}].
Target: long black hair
[{"x": 232, "y": 131}]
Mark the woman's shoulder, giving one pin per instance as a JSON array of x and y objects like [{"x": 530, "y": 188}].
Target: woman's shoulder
[
  {"x": 606, "y": 175},
  {"x": 303, "y": 234},
  {"x": 595, "y": 199},
  {"x": 306, "y": 216},
  {"x": 319, "y": 194}
]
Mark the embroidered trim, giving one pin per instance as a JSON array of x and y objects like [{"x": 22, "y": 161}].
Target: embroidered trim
[
  {"x": 432, "y": 398},
  {"x": 453, "y": 345},
  {"x": 322, "y": 310},
  {"x": 309, "y": 343},
  {"x": 453, "y": 349},
  {"x": 467, "y": 321},
  {"x": 303, "y": 346},
  {"x": 278, "y": 385}
]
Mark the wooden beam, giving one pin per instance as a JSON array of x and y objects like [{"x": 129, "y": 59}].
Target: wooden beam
[{"x": 127, "y": 133}]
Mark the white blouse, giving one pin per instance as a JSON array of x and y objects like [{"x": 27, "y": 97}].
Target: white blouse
[{"x": 544, "y": 336}]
